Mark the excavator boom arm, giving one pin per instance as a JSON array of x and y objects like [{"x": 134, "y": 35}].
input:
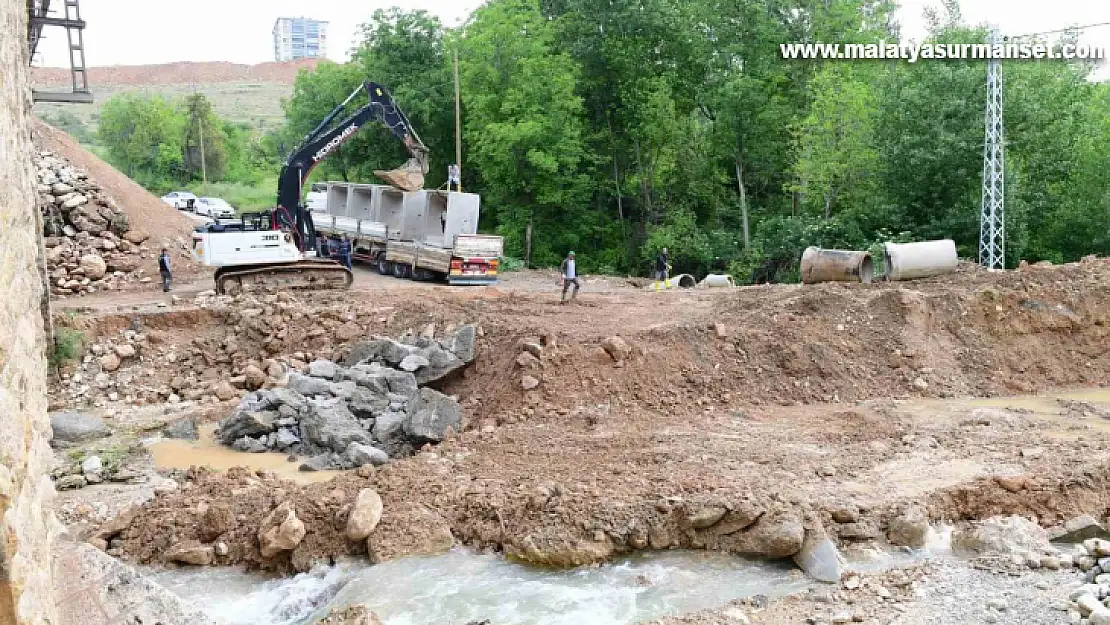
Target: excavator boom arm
[{"x": 325, "y": 138}]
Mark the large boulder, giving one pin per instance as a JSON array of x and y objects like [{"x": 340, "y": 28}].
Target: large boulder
[
  {"x": 245, "y": 423},
  {"x": 1001, "y": 537},
  {"x": 309, "y": 386},
  {"x": 184, "y": 428},
  {"x": 325, "y": 369},
  {"x": 441, "y": 363},
  {"x": 366, "y": 404},
  {"x": 910, "y": 528},
  {"x": 384, "y": 350},
  {"x": 125, "y": 264},
  {"x": 280, "y": 531},
  {"x": 772, "y": 536},
  {"x": 93, "y": 266},
  {"x": 819, "y": 557},
  {"x": 430, "y": 414},
  {"x": 71, "y": 428},
  {"x": 365, "y": 515},
  {"x": 464, "y": 343},
  {"x": 361, "y": 455},
  {"x": 191, "y": 552},
  {"x": 409, "y": 529},
  {"x": 329, "y": 425}
]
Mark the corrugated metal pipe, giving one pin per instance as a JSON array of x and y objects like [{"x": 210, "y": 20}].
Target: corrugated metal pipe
[
  {"x": 907, "y": 261},
  {"x": 820, "y": 265}
]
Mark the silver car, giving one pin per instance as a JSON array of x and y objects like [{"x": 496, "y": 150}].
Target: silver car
[{"x": 215, "y": 208}]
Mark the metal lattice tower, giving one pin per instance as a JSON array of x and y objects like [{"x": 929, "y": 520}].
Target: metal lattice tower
[{"x": 992, "y": 225}]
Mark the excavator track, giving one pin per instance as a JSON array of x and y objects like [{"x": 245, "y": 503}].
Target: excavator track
[{"x": 302, "y": 275}]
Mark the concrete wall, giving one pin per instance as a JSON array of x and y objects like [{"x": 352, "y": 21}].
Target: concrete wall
[{"x": 26, "y": 493}]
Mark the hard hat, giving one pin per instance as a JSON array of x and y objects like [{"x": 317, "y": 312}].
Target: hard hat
[{"x": 570, "y": 253}]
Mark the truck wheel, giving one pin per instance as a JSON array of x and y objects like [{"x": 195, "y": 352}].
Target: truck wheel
[
  {"x": 401, "y": 270},
  {"x": 384, "y": 266}
]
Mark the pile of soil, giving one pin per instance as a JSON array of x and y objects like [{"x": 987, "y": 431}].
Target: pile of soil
[
  {"x": 182, "y": 73},
  {"x": 144, "y": 212}
]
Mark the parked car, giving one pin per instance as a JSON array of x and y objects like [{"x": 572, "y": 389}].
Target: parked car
[
  {"x": 214, "y": 207},
  {"x": 182, "y": 200}
]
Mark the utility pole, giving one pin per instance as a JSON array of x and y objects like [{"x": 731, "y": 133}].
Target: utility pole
[
  {"x": 992, "y": 224},
  {"x": 458, "y": 121},
  {"x": 203, "y": 167}
]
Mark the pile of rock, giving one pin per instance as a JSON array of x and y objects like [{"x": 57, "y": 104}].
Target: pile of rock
[
  {"x": 90, "y": 245},
  {"x": 1091, "y": 601},
  {"x": 366, "y": 411}
]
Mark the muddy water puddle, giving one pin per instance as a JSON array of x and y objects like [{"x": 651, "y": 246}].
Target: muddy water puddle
[
  {"x": 207, "y": 452},
  {"x": 1047, "y": 406}
]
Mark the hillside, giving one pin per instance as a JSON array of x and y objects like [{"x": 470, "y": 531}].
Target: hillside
[{"x": 249, "y": 94}]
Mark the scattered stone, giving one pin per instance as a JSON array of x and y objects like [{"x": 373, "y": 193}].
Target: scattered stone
[
  {"x": 92, "y": 466},
  {"x": 71, "y": 482},
  {"x": 280, "y": 531},
  {"x": 910, "y": 528},
  {"x": 190, "y": 552},
  {"x": 225, "y": 391},
  {"x": 93, "y": 266},
  {"x": 253, "y": 377},
  {"x": 617, "y": 348},
  {"x": 361, "y": 455},
  {"x": 845, "y": 514},
  {"x": 110, "y": 362},
  {"x": 413, "y": 362},
  {"x": 1013, "y": 535},
  {"x": 182, "y": 429},
  {"x": 1078, "y": 529},
  {"x": 365, "y": 515},
  {"x": 350, "y": 615},
  {"x": 920, "y": 384},
  {"x": 528, "y": 382},
  {"x": 430, "y": 414},
  {"x": 322, "y": 369},
  {"x": 819, "y": 557},
  {"x": 707, "y": 517}
]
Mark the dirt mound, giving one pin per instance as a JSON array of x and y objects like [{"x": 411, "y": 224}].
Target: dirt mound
[
  {"x": 178, "y": 73},
  {"x": 145, "y": 213}
]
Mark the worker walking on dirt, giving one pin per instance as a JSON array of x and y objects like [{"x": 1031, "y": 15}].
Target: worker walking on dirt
[
  {"x": 164, "y": 269},
  {"x": 568, "y": 275},
  {"x": 662, "y": 266}
]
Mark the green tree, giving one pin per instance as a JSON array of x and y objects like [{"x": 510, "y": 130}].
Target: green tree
[
  {"x": 204, "y": 142},
  {"x": 142, "y": 136}
]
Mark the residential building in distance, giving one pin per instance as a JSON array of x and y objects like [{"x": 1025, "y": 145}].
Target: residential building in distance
[{"x": 300, "y": 38}]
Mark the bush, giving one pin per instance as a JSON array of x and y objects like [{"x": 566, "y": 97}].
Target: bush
[
  {"x": 69, "y": 345},
  {"x": 510, "y": 264}
]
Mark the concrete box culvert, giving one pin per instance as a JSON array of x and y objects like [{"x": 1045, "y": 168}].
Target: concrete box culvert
[
  {"x": 819, "y": 265},
  {"x": 907, "y": 261}
]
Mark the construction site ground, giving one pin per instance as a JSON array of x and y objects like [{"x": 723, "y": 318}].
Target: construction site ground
[{"x": 973, "y": 395}]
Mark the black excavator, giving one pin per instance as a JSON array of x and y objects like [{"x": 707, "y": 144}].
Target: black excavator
[{"x": 278, "y": 246}]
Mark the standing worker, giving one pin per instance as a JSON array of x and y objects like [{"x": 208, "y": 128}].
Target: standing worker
[
  {"x": 568, "y": 275},
  {"x": 662, "y": 266},
  {"x": 345, "y": 251},
  {"x": 164, "y": 269}
]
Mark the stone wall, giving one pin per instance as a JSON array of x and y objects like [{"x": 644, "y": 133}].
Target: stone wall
[{"x": 26, "y": 521}]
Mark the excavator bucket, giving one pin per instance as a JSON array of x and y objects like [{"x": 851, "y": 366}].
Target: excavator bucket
[{"x": 408, "y": 177}]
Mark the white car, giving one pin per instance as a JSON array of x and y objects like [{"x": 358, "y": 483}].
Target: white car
[
  {"x": 179, "y": 199},
  {"x": 215, "y": 208}
]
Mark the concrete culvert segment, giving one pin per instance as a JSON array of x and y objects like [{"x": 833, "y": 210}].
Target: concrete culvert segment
[{"x": 819, "y": 265}]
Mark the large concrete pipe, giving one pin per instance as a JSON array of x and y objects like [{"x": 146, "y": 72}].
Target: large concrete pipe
[
  {"x": 718, "y": 280},
  {"x": 820, "y": 265},
  {"x": 906, "y": 261}
]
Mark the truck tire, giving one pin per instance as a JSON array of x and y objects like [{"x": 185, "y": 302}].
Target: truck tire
[
  {"x": 384, "y": 266},
  {"x": 401, "y": 270}
]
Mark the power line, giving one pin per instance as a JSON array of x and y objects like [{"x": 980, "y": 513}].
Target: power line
[{"x": 1060, "y": 30}]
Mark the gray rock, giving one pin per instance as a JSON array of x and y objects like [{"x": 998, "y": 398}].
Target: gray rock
[
  {"x": 413, "y": 362},
  {"x": 325, "y": 462},
  {"x": 464, "y": 343},
  {"x": 429, "y": 415},
  {"x": 308, "y": 386},
  {"x": 71, "y": 482},
  {"x": 344, "y": 389},
  {"x": 1078, "y": 529},
  {"x": 249, "y": 445},
  {"x": 366, "y": 404},
  {"x": 400, "y": 382},
  {"x": 370, "y": 377},
  {"x": 1009, "y": 536},
  {"x": 819, "y": 557},
  {"x": 242, "y": 423},
  {"x": 378, "y": 350},
  {"x": 441, "y": 364},
  {"x": 182, "y": 429},
  {"x": 389, "y": 426},
  {"x": 325, "y": 369},
  {"x": 92, "y": 465},
  {"x": 286, "y": 397},
  {"x": 71, "y": 428},
  {"x": 284, "y": 439},
  {"x": 361, "y": 455},
  {"x": 329, "y": 425}
]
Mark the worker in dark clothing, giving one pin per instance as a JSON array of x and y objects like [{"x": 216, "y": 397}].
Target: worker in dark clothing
[
  {"x": 662, "y": 266},
  {"x": 164, "y": 269},
  {"x": 568, "y": 275},
  {"x": 345, "y": 251}
]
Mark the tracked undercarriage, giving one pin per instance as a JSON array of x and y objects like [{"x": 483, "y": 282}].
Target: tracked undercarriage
[{"x": 302, "y": 275}]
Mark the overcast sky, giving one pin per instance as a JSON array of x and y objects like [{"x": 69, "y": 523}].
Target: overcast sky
[{"x": 138, "y": 32}]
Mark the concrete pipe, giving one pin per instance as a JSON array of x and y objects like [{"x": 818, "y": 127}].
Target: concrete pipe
[
  {"x": 717, "y": 280},
  {"x": 906, "y": 261},
  {"x": 820, "y": 265}
]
